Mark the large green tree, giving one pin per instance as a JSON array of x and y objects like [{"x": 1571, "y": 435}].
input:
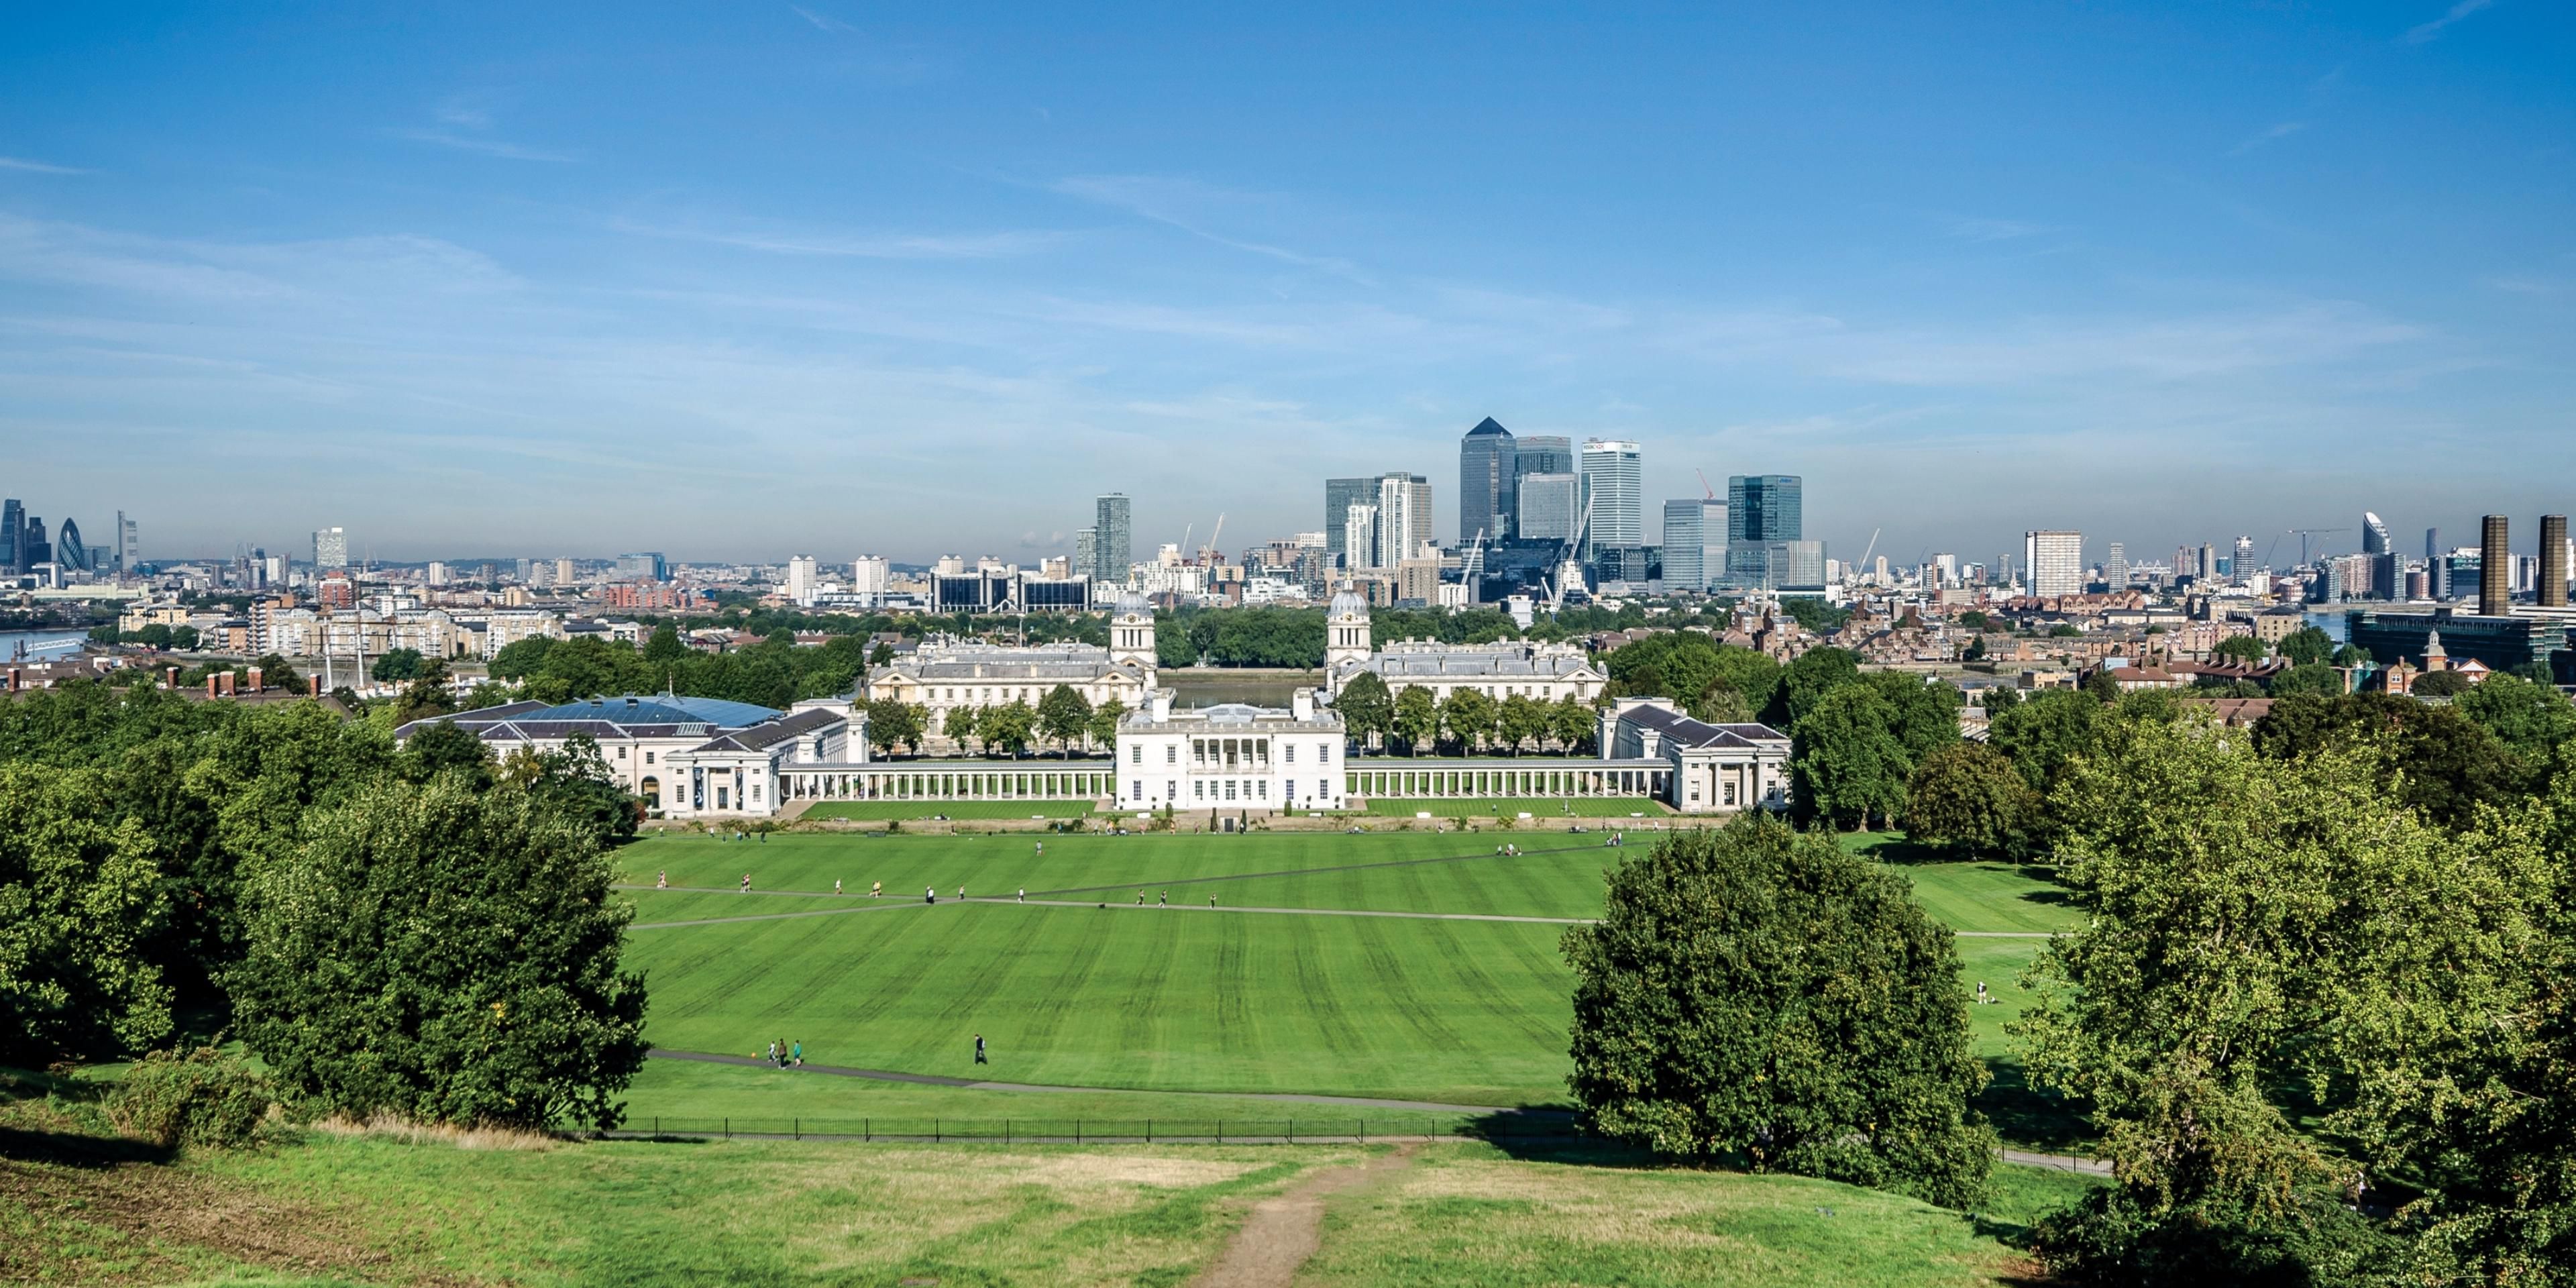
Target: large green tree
[
  {"x": 892, "y": 724},
  {"x": 1008, "y": 726},
  {"x": 1469, "y": 716},
  {"x": 1064, "y": 716},
  {"x": 1417, "y": 718},
  {"x": 1366, "y": 709},
  {"x": 1806, "y": 681},
  {"x": 1847, "y": 766},
  {"x": 2043, "y": 733},
  {"x": 1966, "y": 797},
  {"x": 80, "y": 895},
  {"x": 444, "y": 954},
  {"x": 2534, "y": 720},
  {"x": 1754, "y": 993}
]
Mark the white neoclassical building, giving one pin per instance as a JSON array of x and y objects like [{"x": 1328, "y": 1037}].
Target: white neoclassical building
[
  {"x": 1230, "y": 757},
  {"x": 683, "y": 756},
  {"x": 943, "y": 674},
  {"x": 1502, "y": 669},
  {"x": 1716, "y": 768}
]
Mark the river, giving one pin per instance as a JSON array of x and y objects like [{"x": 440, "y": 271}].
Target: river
[{"x": 62, "y": 641}]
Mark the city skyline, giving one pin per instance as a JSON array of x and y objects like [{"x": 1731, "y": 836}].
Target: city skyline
[{"x": 243, "y": 277}]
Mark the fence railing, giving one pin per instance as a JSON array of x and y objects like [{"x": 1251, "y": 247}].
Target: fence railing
[{"x": 1103, "y": 1130}]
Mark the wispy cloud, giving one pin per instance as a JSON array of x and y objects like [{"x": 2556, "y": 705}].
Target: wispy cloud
[
  {"x": 994, "y": 245},
  {"x": 2281, "y": 131},
  {"x": 2525, "y": 285},
  {"x": 821, "y": 23},
  {"x": 39, "y": 167},
  {"x": 1179, "y": 203},
  {"x": 2433, "y": 30},
  {"x": 485, "y": 147}
]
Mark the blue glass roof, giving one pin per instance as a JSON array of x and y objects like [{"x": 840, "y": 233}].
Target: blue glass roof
[{"x": 656, "y": 709}]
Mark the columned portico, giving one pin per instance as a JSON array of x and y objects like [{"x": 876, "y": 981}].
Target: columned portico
[{"x": 1482, "y": 779}]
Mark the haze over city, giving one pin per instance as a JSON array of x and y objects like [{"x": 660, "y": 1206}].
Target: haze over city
[{"x": 491, "y": 282}]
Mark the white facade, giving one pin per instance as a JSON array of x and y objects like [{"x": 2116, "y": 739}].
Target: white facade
[
  {"x": 1230, "y": 757},
  {"x": 869, "y": 574},
  {"x": 944, "y": 675},
  {"x": 801, "y": 581},
  {"x": 1542, "y": 672},
  {"x": 684, "y": 757},
  {"x": 1614, "y": 475},
  {"x": 1717, "y": 768}
]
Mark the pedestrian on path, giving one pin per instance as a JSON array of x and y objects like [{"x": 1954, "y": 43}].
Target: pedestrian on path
[
  {"x": 876, "y": 889},
  {"x": 836, "y": 885},
  {"x": 1024, "y": 894},
  {"x": 979, "y": 1048},
  {"x": 746, "y": 883},
  {"x": 663, "y": 881},
  {"x": 1164, "y": 900},
  {"x": 797, "y": 1053}
]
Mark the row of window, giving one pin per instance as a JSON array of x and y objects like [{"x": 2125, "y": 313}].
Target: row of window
[
  {"x": 1223, "y": 751},
  {"x": 1211, "y": 790}
]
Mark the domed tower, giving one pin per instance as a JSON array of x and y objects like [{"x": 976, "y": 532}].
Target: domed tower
[
  {"x": 1131, "y": 633},
  {"x": 1346, "y": 635}
]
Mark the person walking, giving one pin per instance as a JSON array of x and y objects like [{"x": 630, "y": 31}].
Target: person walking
[
  {"x": 797, "y": 1053},
  {"x": 836, "y": 885},
  {"x": 746, "y": 883},
  {"x": 876, "y": 889},
  {"x": 979, "y": 1048},
  {"x": 961, "y": 894},
  {"x": 1164, "y": 900},
  {"x": 930, "y": 895},
  {"x": 1140, "y": 898},
  {"x": 663, "y": 881},
  {"x": 1024, "y": 894}
]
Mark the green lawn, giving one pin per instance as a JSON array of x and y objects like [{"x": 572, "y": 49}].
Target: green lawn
[
  {"x": 1538, "y": 807},
  {"x": 909, "y": 810}
]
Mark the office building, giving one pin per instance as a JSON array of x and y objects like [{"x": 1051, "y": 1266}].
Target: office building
[
  {"x": 1796, "y": 567},
  {"x": 1542, "y": 454},
  {"x": 435, "y": 574},
  {"x": 1550, "y": 506},
  {"x": 2495, "y": 569},
  {"x": 1112, "y": 540},
  {"x": 644, "y": 565},
  {"x": 71, "y": 554},
  {"x": 13, "y": 535},
  {"x": 2240, "y": 565},
  {"x": 1403, "y": 517},
  {"x": 1339, "y": 496},
  {"x": 1360, "y": 536},
  {"x": 1487, "y": 479},
  {"x": 2055, "y": 560},
  {"x": 1694, "y": 543},
  {"x": 129, "y": 544},
  {"x": 330, "y": 549},
  {"x": 2115, "y": 567},
  {"x": 2374, "y": 535},
  {"x": 1614, "y": 477},
  {"x": 1760, "y": 509},
  {"x": 2552, "y": 590}
]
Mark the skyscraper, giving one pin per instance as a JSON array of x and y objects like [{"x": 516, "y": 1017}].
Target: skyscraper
[
  {"x": 2495, "y": 568},
  {"x": 2055, "y": 558},
  {"x": 2240, "y": 563},
  {"x": 1339, "y": 496},
  {"x": 1549, "y": 506},
  {"x": 1542, "y": 454},
  {"x": 70, "y": 552},
  {"x": 1111, "y": 541},
  {"x": 2374, "y": 535},
  {"x": 2552, "y": 591},
  {"x": 129, "y": 544},
  {"x": 1403, "y": 516},
  {"x": 2115, "y": 567},
  {"x": 1487, "y": 482},
  {"x": 1760, "y": 509},
  {"x": 1360, "y": 534},
  {"x": 1688, "y": 541},
  {"x": 1614, "y": 474},
  {"x": 1086, "y": 551},
  {"x": 330, "y": 548},
  {"x": 13, "y": 533}
]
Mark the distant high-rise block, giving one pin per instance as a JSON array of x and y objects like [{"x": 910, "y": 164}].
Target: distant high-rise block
[
  {"x": 2055, "y": 558},
  {"x": 2495, "y": 567},
  {"x": 2374, "y": 535},
  {"x": 1614, "y": 472},
  {"x": 2115, "y": 567},
  {"x": 330, "y": 548},
  {"x": 2552, "y": 591},
  {"x": 1487, "y": 482},
  {"x": 1550, "y": 504},
  {"x": 1760, "y": 509},
  {"x": 1403, "y": 516},
  {"x": 1686, "y": 543},
  {"x": 1339, "y": 496},
  {"x": 13, "y": 536},
  {"x": 1542, "y": 454},
  {"x": 1112, "y": 540}
]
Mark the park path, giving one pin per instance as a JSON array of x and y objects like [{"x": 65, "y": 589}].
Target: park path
[
  {"x": 1286, "y": 1229},
  {"x": 936, "y": 1080}
]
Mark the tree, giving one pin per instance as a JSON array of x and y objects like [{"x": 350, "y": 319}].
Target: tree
[
  {"x": 575, "y": 781},
  {"x": 2043, "y": 732},
  {"x": 1576, "y": 727},
  {"x": 277, "y": 673},
  {"x": 2264, "y": 941},
  {"x": 2308, "y": 678},
  {"x": 1805, "y": 681},
  {"x": 1365, "y": 708},
  {"x": 665, "y": 646},
  {"x": 2440, "y": 684},
  {"x": 1521, "y": 719},
  {"x": 2535, "y": 720},
  {"x": 893, "y": 724},
  {"x": 1417, "y": 718},
  {"x": 1741, "y": 688},
  {"x": 2239, "y": 648},
  {"x": 1997, "y": 699},
  {"x": 960, "y": 725},
  {"x": 2065, "y": 631},
  {"x": 442, "y": 747},
  {"x": 396, "y": 665},
  {"x": 1926, "y": 714},
  {"x": 1755, "y": 992},
  {"x": 1966, "y": 797},
  {"x": 448, "y": 956},
  {"x": 1104, "y": 722},
  {"x": 2306, "y": 646},
  {"x": 883, "y": 655},
  {"x": 1847, "y": 767},
  {"x": 1975, "y": 651},
  {"x": 2435, "y": 760},
  {"x": 1008, "y": 726},
  {"x": 1468, "y": 715},
  {"x": 2100, "y": 687},
  {"x": 80, "y": 897},
  {"x": 183, "y": 638},
  {"x": 1973, "y": 619},
  {"x": 1064, "y": 715}
]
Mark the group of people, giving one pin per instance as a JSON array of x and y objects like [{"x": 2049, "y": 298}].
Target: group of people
[{"x": 787, "y": 1055}]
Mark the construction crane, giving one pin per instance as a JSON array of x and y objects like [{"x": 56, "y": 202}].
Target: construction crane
[
  {"x": 1864, "y": 555},
  {"x": 1703, "y": 483},
  {"x": 1213, "y": 538},
  {"x": 1568, "y": 567},
  {"x": 2305, "y": 533},
  {"x": 1471, "y": 568}
]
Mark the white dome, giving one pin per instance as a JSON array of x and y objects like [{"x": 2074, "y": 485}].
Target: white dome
[
  {"x": 1347, "y": 603},
  {"x": 1131, "y": 603}
]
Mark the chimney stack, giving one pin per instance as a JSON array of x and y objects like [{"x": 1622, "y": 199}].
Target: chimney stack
[
  {"x": 2495, "y": 568},
  {"x": 253, "y": 681},
  {"x": 214, "y": 687},
  {"x": 2553, "y": 561}
]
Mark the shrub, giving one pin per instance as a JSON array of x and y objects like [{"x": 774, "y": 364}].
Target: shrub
[{"x": 204, "y": 1099}]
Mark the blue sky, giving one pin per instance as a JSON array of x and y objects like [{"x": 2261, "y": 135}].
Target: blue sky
[{"x": 752, "y": 280}]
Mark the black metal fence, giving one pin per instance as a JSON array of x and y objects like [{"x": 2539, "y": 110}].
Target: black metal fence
[{"x": 1074, "y": 1131}]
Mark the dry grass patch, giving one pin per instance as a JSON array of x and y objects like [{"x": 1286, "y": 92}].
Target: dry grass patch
[{"x": 405, "y": 1131}]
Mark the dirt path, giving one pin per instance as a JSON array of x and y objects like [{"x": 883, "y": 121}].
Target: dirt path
[{"x": 1283, "y": 1231}]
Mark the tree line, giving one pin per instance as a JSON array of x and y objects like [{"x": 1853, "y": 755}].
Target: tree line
[
  {"x": 417, "y": 930},
  {"x": 2317, "y": 1010}
]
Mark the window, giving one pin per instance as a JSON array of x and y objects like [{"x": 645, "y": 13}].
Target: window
[
  {"x": 1730, "y": 793},
  {"x": 1323, "y": 787},
  {"x": 648, "y": 757},
  {"x": 1265, "y": 789},
  {"x": 1136, "y": 754},
  {"x": 1229, "y": 789},
  {"x": 1198, "y": 788},
  {"x": 755, "y": 793},
  {"x": 1324, "y": 753},
  {"x": 1288, "y": 753},
  {"x": 1171, "y": 753},
  {"x": 621, "y": 753},
  {"x": 1136, "y": 790}
]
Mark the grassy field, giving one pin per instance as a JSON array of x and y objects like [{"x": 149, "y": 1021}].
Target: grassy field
[
  {"x": 333, "y": 1210},
  {"x": 909, "y": 810},
  {"x": 1538, "y": 807}
]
